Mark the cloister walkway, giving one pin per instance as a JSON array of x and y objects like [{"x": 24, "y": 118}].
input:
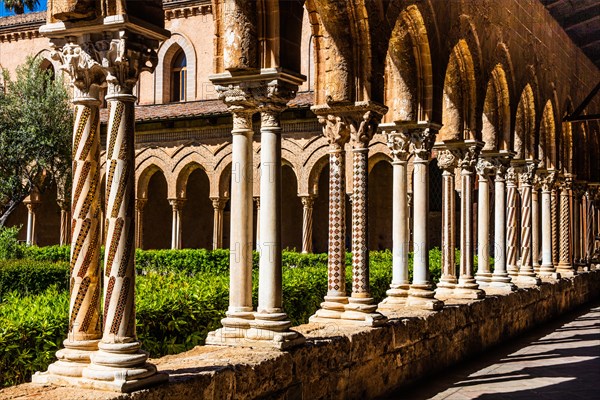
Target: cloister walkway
[{"x": 559, "y": 360}]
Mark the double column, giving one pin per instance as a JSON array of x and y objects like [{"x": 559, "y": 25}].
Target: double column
[
  {"x": 218, "y": 207},
  {"x": 398, "y": 142},
  {"x": 526, "y": 275},
  {"x": 176, "y": 229},
  {"x": 547, "y": 179},
  {"x": 358, "y": 121}
]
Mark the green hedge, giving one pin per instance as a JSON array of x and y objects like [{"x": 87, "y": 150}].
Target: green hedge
[{"x": 32, "y": 277}]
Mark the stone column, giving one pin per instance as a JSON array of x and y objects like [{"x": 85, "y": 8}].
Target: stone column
[
  {"x": 271, "y": 323},
  {"x": 447, "y": 158},
  {"x": 398, "y": 142},
  {"x": 84, "y": 305},
  {"x": 484, "y": 169},
  {"x": 177, "y": 207},
  {"x": 256, "y": 201},
  {"x": 361, "y": 305},
  {"x": 65, "y": 222},
  {"x": 32, "y": 206},
  {"x": 535, "y": 223},
  {"x": 467, "y": 287},
  {"x": 511, "y": 222},
  {"x": 140, "y": 204},
  {"x": 565, "y": 263},
  {"x": 578, "y": 191},
  {"x": 589, "y": 228},
  {"x": 240, "y": 311},
  {"x": 554, "y": 204},
  {"x": 360, "y": 121},
  {"x": 500, "y": 278},
  {"x": 120, "y": 363},
  {"x": 218, "y": 207},
  {"x": 547, "y": 180},
  {"x": 526, "y": 274},
  {"x": 307, "y": 223},
  {"x": 421, "y": 294}
]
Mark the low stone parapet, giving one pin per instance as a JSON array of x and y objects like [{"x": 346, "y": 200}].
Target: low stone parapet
[{"x": 340, "y": 362}]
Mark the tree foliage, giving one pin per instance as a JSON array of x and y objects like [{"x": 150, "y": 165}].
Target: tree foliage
[
  {"x": 18, "y": 6},
  {"x": 36, "y": 120}
]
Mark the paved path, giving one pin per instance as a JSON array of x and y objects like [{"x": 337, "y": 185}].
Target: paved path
[{"x": 557, "y": 361}]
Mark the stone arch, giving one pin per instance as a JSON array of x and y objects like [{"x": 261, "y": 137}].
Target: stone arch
[
  {"x": 458, "y": 108},
  {"x": 378, "y": 152},
  {"x": 496, "y": 112},
  {"x": 547, "y": 138},
  {"x": 183, "y": 175},
  {"x": 408, "y": 70},
  {"x": 224, "y": 179},
  {"x": 314, "y": 166},
  {"x": 524, "y": 138},
  {"x": 566, "y": 141},
  {"x": 144, "y": 178},
  {"x": 47, "y": 61},
  {"x": 166, "y": 53}
]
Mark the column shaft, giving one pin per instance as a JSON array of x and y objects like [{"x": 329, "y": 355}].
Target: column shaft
[
  {"x": 484, "y": 275},
  {"x": 546, "y": 231},
  {"x": 554, "y": 202},
  {"x": 526, "y": 273},
  {"x": 307, "y": 224},
  {"x": 511, "y": 223},
  {"x": 360, "y": 251},
  {"x": 218, "y": 207},
  {"x": 400, "y": 219},
  {"x": 65, "y": 227},
  {"x": 565, "y": 266},
  {"x": 535, "y": 228},
  {"x": 336, "y": 260},
  {"x": 589, "y": 252},
  {"x": 500, "y": 277},
  {"x": 139, "y": 208}
]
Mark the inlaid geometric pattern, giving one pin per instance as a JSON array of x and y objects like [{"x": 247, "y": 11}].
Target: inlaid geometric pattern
[
  {"x": 120, "y": 224},
  {"x": 565, "y": 224},
  {"x": 360, "y": 254},
  {"x": 511, "y": 226},
  {"x": 337, "y": 223},
  {"x": 85, "y": 207},
  {"x": 526, "y": 260}
]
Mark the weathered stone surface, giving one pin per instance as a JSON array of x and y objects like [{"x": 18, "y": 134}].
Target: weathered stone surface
[{"x": 351, "y": 362}]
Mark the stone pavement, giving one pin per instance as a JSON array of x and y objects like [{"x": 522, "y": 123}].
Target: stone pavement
[{"x": 560, "y": 360}]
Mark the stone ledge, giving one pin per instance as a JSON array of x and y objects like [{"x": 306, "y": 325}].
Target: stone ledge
[{"x": 352, "y": 363}]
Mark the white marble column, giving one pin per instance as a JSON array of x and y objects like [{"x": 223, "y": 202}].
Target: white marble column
[
  {"x": 577, "y": 239},
  {"x": 65, "y": 223},
  {"x": 140, "y": 204},
  {"x": 398, "y": 142},
  {"x": 307, "y": 223},
  {"x": 256, "y": 202},
  {"x": 565, "y": 263},
  {"x": 467, "y": 287},
  {"x": 526, "y": 274},
  {"x": 270, "y": 322},
  {"x": 500, "y": 278},
  {"x": 447, "y": 159},
  {"x": 484, "y": 170},
  {"x": 176, "y": 229},
  {"x": 218, "y": 207},
  {"x": 547, "y": 180},
  {"x": 85, "y": 284},
  {"x": 32, "y": 206},
  {"x": 421, "y": 294},
  {"x": 240, "y": 311},
  {"x": 512, "y": 241}
]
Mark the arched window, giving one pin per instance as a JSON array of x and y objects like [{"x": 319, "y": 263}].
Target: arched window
[{"x": 179, "y": 77}]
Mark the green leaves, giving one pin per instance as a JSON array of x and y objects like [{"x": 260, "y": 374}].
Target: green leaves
[{"x": 18, "y": 6}]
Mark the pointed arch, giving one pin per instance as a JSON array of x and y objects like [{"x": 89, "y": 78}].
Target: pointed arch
[
  {"x": 524, "y": 139},
  {"x": 547, "y": 138},
  {"x": 496, "y": 112},
  {"x": 166, "y": 55},
  {"x": 459, "y": 95},
  {"x": 566, "y": 141},
  {"x": 144, "y": 179}
]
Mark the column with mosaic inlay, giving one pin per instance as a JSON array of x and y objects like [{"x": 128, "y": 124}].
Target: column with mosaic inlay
[
  {"x": 85, "y": 285},
  {"x": 526, "y": 274},
  {"x": 512, "y": 241},
  {"x": 535, "y": 223},
  {"x": 447, "y": 161},
  {"x": 120, "y": 363},
  {"x": 398, "y": 142},
  {"x": 421, "y": 294}
]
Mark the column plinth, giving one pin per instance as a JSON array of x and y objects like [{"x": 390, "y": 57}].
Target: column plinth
[
  {"x": 359, "y": 120},
  {"x": 399, "y": 142},
  {"x": 420, "y": 293},
  {"x": 501, "y": 281},
  {"x": 526, "y": 275},
  {"x": 447, "y": 159}
]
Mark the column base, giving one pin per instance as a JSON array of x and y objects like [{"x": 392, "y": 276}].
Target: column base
[
  {"x": 355, "y": 312},
  {"x": 467, "y": 289},
  {"x": 73, "y": 358},
  {"x": 396, "y": 298},
  {"x": 566, "y": 271},
  {"x": 483, "y": 279},
  {"x": 527, "y": 280},
  {"x": 422, "y": 297},
  {"x": 331, "y": 308},
  {"x": 548, "y": 272},
  {"x": 272, "y": 330},
  {"x": 501, "y": 283}
]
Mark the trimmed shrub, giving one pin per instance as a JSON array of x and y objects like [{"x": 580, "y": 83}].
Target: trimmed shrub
[
  {"x": 9, "y": 244},
  {"x": 47, "y": 253},
  {"x": 32, "y": 277}
]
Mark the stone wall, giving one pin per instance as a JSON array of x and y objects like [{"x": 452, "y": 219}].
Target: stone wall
[{"x": 354, "y": 363}]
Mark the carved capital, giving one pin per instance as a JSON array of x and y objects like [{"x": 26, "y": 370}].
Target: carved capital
[
  {"x": 335, "y": 129},
  {"x": 140, "y": 204},
  {"x": 447, "y": 159},
  {"x": 177, "y": 204},
  {"x": 363, "y": 130},
  {"x": 527, "y": 173},
  {"x": 399, "y": 144},
  {"x": 512, "y": 174},
  {"x": 469, "y": 156},
  {"x": 485, "y": 167},
  {"x": 421, "y": 142},
  {"x": 218, "y": 203},
  {"x": 547, "y": 180},
  {"x": 307, "y": 201}
]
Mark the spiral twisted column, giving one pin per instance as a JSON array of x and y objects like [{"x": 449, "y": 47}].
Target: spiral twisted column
[
  {"x": 65, "y": 223},
  {"x": 535, "y": 222},
  {"x": 589, "y": 229},
  {"x": 85, "y": 284},
  {"x": 420, "y": 293},
  {"x": 307, "y": 223},
  {"x": 447, "y": 160},
  {"x": 554, "y": 204},
  {"x": 467, "y": 287},
  {"x": 526, "y": 274},
  {"x": 140, "y": 204},
  {"x": 512, "y": 250},
  {"x": 578, "y": 192},
  {"x": 500, "y": 278},
  {"x": 565, "y": 263},
  {"x": 547, "y": 180},
  {"x": 398, "y": 143}
]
